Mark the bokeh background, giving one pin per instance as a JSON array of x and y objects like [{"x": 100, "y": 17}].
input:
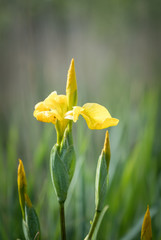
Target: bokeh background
[{"x": 117, "y": 50}]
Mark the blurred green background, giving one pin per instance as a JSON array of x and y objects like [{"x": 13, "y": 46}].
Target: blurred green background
[{"x": 117, "y": 50}]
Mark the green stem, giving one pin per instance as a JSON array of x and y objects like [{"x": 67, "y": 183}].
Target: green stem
[
  {"x": 59, "y": 136},
  {"x": 93, "y": 225},
  {"x": 62, "y": 221},
  {"x": 70, "y": 125}
]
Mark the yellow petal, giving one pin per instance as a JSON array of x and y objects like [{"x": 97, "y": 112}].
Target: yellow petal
[
  {"x": 41, "y": 107},
  {"x": 43, "y": 113},
  {"x": 47, "y": 116},
  {"x": 96, "y": 116},
  {"x": 71, "y": 87},
  {"x": 74, "y": 114},
  {"x": 51, "y": 109},
  {"x": 57, "y": 103},
  {"x": 146, "y": 231}
]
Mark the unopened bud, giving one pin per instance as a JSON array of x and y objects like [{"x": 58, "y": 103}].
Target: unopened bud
[
  {"x": 146, "y": 231},
  {"x": 106, "y": 149},
  {"x": 62, "y": 166},
  {"x": 71, "y": 87},
  {"x": 21, "y": 180}
]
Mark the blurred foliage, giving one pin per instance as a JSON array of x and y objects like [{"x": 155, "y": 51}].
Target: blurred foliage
[{"x": 116, "y": 46}]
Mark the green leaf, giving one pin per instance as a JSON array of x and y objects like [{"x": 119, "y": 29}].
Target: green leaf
[
  {"x": 62, "y": 166},
  {"x": 59, "y": 173},
  {"x": 31, "y": 225},
  {"x": 99, "y": 222}
]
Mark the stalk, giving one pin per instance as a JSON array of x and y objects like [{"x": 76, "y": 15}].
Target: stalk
[
  {"x": 62, "y": 221},
  {"x": 93, "y": 225}
]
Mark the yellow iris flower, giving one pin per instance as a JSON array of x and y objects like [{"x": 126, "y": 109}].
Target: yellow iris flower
[
  {"x": 57, "y": 109},
  {"x": 54, "y": 107},
  {"x": 96, "y": 116}
]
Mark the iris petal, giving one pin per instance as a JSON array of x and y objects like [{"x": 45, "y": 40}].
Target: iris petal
[
  {"x": 41, "y": 107},
  {"x": 96, "y": 116},
  {"x": 57, "y": 102},
  {"x": 51, "y": 109},
  {"x": 46, "y": 116}
]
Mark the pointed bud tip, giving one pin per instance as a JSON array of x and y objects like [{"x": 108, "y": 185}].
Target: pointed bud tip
[
  {"x": 71, "y": 68},
  {"x": 146, "y": 231},
  {"x": 72, "y": 61},
  {"x": 148, "y": 209},
  {"x": 71, "y": 78},
  {"x": 20, "y": 162},
  {"x": 20, "y": 166}
]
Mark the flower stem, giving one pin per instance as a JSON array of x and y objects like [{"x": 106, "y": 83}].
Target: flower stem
[
  {"x": 62, "y": 221},
  {"x": 93, "y": 225}
]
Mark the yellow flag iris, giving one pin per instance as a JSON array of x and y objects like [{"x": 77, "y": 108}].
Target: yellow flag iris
[
  {"x": 57, "y": 109},
  {"x": 54, "y": 107},
  {"x": 96, "y": 116}
]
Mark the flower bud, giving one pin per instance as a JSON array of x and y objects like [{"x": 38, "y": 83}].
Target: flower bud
[
  {"x": 31, "y": 226},
  {"x": 21, "y": 181},
  {"x": 71, "y": 87},
  {"x": 146, "y": 231},
  {"x": 30, "y": 220},
  {"x": 62, "y": 165},
  {"x": 106, "y": 150}
]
